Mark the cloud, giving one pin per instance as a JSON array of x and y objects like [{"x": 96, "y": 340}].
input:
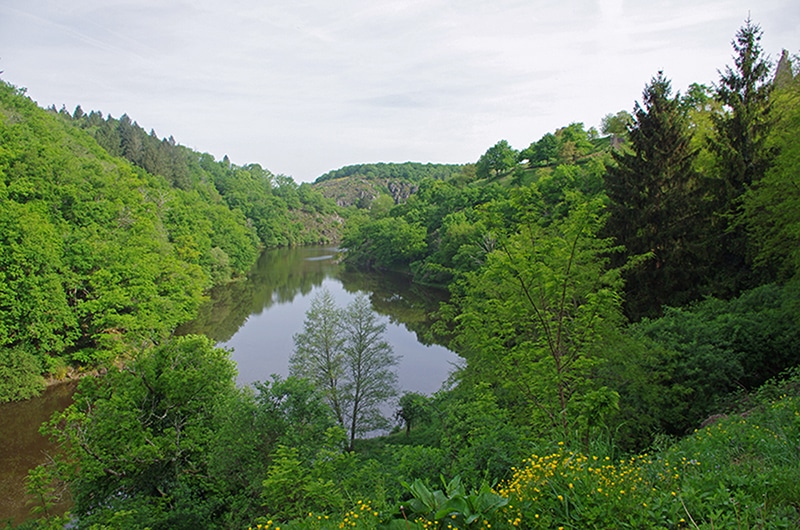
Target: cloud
[{"x": 303, "y": 87}]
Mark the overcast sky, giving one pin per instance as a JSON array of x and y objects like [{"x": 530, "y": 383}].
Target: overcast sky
[{"x": 305, "y": 86}]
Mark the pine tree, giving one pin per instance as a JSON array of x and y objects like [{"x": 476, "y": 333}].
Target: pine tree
[
  {"x": 744, "y": 124},
  {"x": 743, "y": 156},
  {"x": 654, "y": 204}
]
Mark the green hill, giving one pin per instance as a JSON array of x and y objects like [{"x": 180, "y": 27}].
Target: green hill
[{"x": 109, "y": 236}]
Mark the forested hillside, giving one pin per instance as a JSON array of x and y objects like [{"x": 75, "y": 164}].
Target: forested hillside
[
  {"x": 101, "y": 255},
  {"x": 627, "y": 302}
]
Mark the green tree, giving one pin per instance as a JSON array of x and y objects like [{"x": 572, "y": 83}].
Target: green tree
[
  {"x": 139, "y": 437},
  {"x": 655, "y": 204},
  {"x": 412, "y": 409},
  {"x": 617, "y": 124},
  {"x": 498, "y": 159},
  {"x": 771, "y": 205},
  {"x": 343, "y": 352},
  {"x": 288, "y": 413},
  {"x": 369, "y": 363},
  {"x": 534, "y": 319},
  {"x": 319, "y": 352},
  {"x": 742, "y": 128},
  {"x": 386, "y": 243},
  {"x": 744, "y": 124}
]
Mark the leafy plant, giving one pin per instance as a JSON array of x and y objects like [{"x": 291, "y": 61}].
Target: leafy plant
[{"x": 453, "y": 504}]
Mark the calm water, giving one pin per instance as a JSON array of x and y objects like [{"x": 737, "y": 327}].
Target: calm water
[
  {"x": 23, "y": 448},
  {"x": 256, "y": 318}
]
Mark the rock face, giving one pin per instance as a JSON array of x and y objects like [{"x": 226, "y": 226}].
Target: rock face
[
  {"x": 400, "y": 190},
  {"x": 360, "y": 191}
]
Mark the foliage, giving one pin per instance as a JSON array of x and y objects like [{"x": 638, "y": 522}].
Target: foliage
[
  {"x": 770, "y": 206},
  {"x": 290, "y": 490},
  {"x": 412, "y": 409},
  {"x": 386, "y": 243},
  {"x": 739, "y": 473},
  {"x": 534, "y": 319},
  {"x": 140, "y": 436},
  {"x": 453, "y": 505},
  {"x": 369, "y": 367},
  {"x": 103, "y": 256},
  {"x": 20, "y": 373},
  {"x": 741, "y": 144},
  {"x": 344, "y": 353},
  {"x": 617, "y": 124},
  {"x": 478, "y": 436},
  {"x": 500, "y": 158},
  {"x": 655, "y": 209},
  {"x": 412, "y": 171},
  {"x": 319, "y": 352},
  {"x": 286, "y": 413},
  {"x": 744, "y": 90},
  {"x": 698, "y": 355}
]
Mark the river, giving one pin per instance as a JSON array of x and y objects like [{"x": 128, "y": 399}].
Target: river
[{"x": 256, "y": 318}]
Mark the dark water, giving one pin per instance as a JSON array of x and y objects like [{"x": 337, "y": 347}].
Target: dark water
[
  {"x": 256, "y": 318},
  {"x": 23, "y": 448}
]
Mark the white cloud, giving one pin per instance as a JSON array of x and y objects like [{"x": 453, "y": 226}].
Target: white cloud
[{"x": 306, "y": 86}]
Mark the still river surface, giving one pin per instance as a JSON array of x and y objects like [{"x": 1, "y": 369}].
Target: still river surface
[{"x": 257, "y": 318}]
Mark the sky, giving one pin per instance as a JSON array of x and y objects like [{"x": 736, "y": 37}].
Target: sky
[{"x": 303, "y": 87}]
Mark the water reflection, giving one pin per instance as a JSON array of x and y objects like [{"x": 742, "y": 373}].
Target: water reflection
[
  {"x": 23, "y": 448},
  {"x": 258, "y": 317},
  {"x": 277, "y": 278}
]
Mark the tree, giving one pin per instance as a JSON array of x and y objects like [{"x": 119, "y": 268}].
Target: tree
[
  {"x": 139, "y": 437},
  {"x": 744, "y": 124},
  {"x": 413, "y": 408},
  {"x": 344, "y": 354},
  {"x": 386, "y": 243},
  {"x": 369, "y": 361},
  {"x": 743, "y": 156},
  {"x": 534, "y": 319},
  {"x": 617, "y": 124},
  {"x": 541, "y": 153},
  {"x": 319, "y": 352},
  {"x": 654, "y": 204},
  {"x": 498, "y": 159},
  {"x": 771, "y": 205}
]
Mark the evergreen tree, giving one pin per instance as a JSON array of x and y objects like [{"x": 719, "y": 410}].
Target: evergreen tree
[
  {"x": 654, "y": 204},
  {"x": 740, "y": 144},
  {"x": 743, "y": 125}
]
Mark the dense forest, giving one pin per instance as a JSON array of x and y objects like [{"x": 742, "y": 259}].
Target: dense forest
[
  {"x": 627, "y": 302},
  {"x": 110, "y": 236}
]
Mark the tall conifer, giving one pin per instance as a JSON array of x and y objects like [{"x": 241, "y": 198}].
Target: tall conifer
[
  {"x": 654, "y": 204},
  {"x": 743, "y": 156}
]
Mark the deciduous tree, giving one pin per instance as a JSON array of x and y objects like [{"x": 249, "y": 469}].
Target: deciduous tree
[
  {"x": 498, "y": 159},
  {"x": 534, "y": 318},
  {"x": 369, "y": 363},
  {"x": 319, "y": 352},
  {"x": 344, "y": 353}
]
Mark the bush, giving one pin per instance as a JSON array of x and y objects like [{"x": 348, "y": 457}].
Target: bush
[{"x": 20, "y": 374}]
